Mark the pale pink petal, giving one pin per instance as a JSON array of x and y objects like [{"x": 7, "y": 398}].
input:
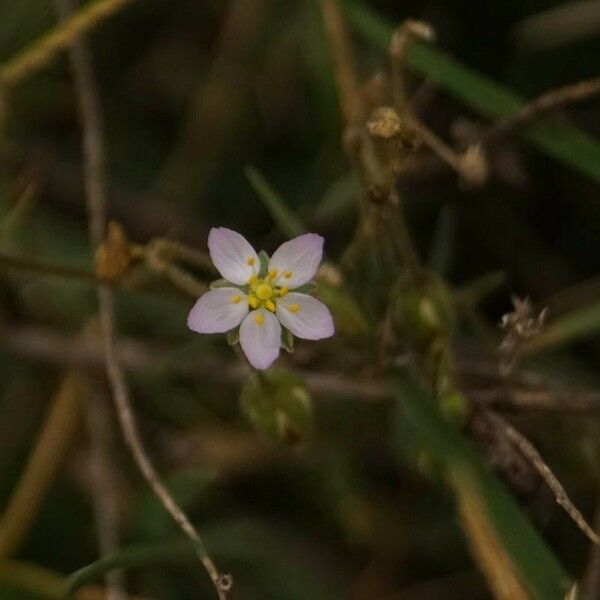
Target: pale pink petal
[
  {"x": 260, "y": 338},
  {"x": 233, "y": 256},
  {"x": 218, "y": 311},
  {"x": 296, "y": 261},
  {"x": 305, "y": 316}
]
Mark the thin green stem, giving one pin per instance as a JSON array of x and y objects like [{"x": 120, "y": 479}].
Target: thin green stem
[{"x": 140, "y": 556}]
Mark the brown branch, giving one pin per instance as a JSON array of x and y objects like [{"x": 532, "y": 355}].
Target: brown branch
[
  {"x": 174, "y": 250},
  {"x": 104, "y": 485},
  {"x": 344, "y": 61},
  {"x": 178, "y": 277},
  {"x": 94, "y": 172},
  {"x": 407, "y": 32},
  {"x": 52, "y": 347},
  {"x": 528, "y": 450},
  {"x": 550, "y": 101},
  {"x": 564, "y": 401},
  {"x": 590, "y": 584}
]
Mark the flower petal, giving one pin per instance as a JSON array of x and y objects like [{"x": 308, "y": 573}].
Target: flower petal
[
  {"x": 260, "y": 338},
  {"x": 296, "y": 261},
  {"x": 305, "y": 316},
  {"x": 232, "y": 254},
  {"x": 218, "y": 311}
]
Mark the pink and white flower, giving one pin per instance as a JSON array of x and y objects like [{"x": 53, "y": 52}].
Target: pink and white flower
[{"x": 261, "y": 296}]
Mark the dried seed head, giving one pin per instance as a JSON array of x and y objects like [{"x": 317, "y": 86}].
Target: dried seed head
[
  {"x": 521, "y": 325},
  {"x": 384, "y": 123},
  {"x": 522, "y": 320},
  {"x": 395, "y": 137}
]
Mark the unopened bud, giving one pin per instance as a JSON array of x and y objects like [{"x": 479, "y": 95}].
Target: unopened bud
[{"x": 114, "y": 256}]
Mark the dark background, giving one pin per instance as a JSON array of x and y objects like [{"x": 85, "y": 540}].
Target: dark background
[{"x": 192, "y": 94}]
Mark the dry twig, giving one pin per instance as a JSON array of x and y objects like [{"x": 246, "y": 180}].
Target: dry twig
[
  {"x": 549, "y": 101},
  {"x": 94, "y": 170},
  {"x": 528, "y": 450}
]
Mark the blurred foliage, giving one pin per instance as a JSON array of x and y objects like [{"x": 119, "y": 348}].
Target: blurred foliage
[{"x": 195, "y": 92}]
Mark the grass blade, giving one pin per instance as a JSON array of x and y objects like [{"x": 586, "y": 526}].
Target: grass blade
[
  {"x": 574, "y": 326},
  {"x": 286, "y": 220},
  {"x": 502, "y": 538}
]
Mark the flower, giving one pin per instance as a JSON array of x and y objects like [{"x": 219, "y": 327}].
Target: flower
[{"x": 261, "y": 295}]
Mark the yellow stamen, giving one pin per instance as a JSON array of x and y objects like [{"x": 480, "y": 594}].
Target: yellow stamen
[
  {"x": 252, "y": 280},
  {"x": 270, "y": 305},
  {"x": 283, "y": 291},
  {"x": 293, "y": 308},
  {"x": 264, "y": 291},
  {"x": 272, "y": 273},
  {"x": 251, "y": 261},
  {"x": 287, "y": 274},
  {"x": 259, "y": 318},
  {"x": 253, "y": 301},
  {"x": 236, "y": 299}
]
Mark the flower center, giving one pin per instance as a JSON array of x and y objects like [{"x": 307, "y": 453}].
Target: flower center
[{"x": 263, "y": 293}]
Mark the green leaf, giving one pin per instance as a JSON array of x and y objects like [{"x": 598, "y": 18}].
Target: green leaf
[
  {"x": 276, "y": 570},
  {"x": 579, "y": 324},
  {"x": 513, "y": 536},
  {"x": 288, "y": 222},
  {"x": 562, "y": 141},
  {"x": 481, "y": 287}
]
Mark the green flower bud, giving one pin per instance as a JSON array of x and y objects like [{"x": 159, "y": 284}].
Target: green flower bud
[{"x": 278, "y": 406}]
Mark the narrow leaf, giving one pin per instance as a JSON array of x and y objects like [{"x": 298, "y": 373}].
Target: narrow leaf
[
  {"x": 577, "y": 325},
  {"x": 517, "y": 545},
  {"x": 286, "y": 220}
]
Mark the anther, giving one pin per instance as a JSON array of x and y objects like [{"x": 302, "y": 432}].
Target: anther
[
  {"x": 251, "y": 260},
  {"x": 287, "y": 274},
  {"x": 270, "y": 305},
  {"x": 259, "y": 318},
  {"x": 236, "y": 299},
  {"x": 293, "y": 308}
]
